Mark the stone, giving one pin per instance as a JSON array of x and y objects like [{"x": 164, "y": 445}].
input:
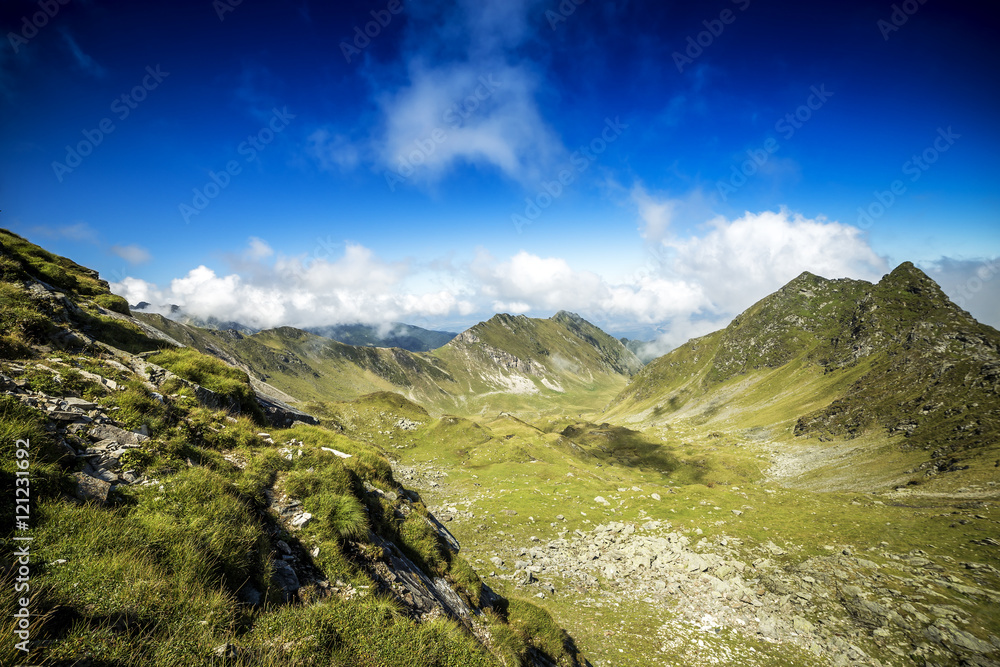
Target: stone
[
  {"x": 91, "y": 488},
  {"x": 285, "y": 578},
  {"x": 301, "y": 519},
  {"x": 601, "y": 501},
  {"x": 121, "y": 436},
  {"x": 802, "y": 626},
  {"x": 79, "y": 404},
  {"x": 738, "y": 512},
  {"x": 497, "y": 562}
]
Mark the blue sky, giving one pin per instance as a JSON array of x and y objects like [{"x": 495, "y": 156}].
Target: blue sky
[{"x": 655, "y": 166}]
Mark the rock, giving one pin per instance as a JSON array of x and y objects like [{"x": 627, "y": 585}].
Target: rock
[
  {"x": 497, "y": 562},
  {"x": 655, "y": 496},
  {"x": 91, "y": 488},
  {"x": 738, "y": 512},
  {"x": 301, "y": 519},
  {"x": 78, "y": 404},
  {"x": 802, "y": 626},
  {"x": 121, "y": 436},
  {"x": 601, "y": 501},
  {"x": 285, "y": 578}
]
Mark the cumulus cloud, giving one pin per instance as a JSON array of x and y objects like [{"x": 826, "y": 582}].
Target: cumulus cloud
[
  {"x": 739, "y": 261},
  {"x": 280, "y": 290},
  {"x": 462, "y": 92},
  {"x": 481, "y": 112},
  {"x": 693, "y": 283}
]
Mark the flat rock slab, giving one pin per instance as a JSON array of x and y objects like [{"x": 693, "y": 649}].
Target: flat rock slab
[
  {"x": 119, "y": 435},
  {"x": 91, "y": 488}
]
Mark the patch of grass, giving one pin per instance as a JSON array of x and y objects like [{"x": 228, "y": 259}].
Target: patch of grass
[
  {"x": 214, "y": 375},
  {"x": 540, "y": 631},
  {"x": 136, "y": 406},
  {"x": 112, "y": 302},
  {"x": 19, "y": 423}
]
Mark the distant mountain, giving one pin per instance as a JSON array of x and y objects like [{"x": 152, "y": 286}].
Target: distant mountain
[
  {"x": 836, "y": 359},
  {"x": 506, "y": 363},
  {"x": 645, "y": 350},
  {"x": 397, "y": 334}
]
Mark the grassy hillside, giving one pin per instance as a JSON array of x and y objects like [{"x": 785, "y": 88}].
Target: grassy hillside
[
  {"x": 509, "y": 363},
  {"x": 166, "y": 532},
  {"x": 836, "y": 360}
]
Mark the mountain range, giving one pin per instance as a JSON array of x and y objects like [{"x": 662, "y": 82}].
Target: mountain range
[{"x": 816, "y": 400}]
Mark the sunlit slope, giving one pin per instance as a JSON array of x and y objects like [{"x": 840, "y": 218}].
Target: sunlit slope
[
  {"x": 837, "y": 360},
  {"x": 561, "y": 364}
]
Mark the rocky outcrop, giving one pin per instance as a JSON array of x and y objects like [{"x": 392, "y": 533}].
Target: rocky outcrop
[{"x": 843, "y": 606}]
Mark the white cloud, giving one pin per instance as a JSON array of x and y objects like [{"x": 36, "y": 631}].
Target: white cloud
[
  {"x": 696, "y": 283},
  {"x": 481, "y": 112},
  {"x": 257, "y": 249},
  {"x": 132, "y": 254},
  {"x": 356, "y": 287},
  {"x": 462, "y": 92}
]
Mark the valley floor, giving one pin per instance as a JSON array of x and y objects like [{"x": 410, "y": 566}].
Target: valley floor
[{"x": 645, "y": 571}]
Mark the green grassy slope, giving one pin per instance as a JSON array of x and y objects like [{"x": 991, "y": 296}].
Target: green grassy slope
[
  {"x": 176, "y": 561},
  {"x": 837, "y": 360},
  {"x": 507, "y": 363}
]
